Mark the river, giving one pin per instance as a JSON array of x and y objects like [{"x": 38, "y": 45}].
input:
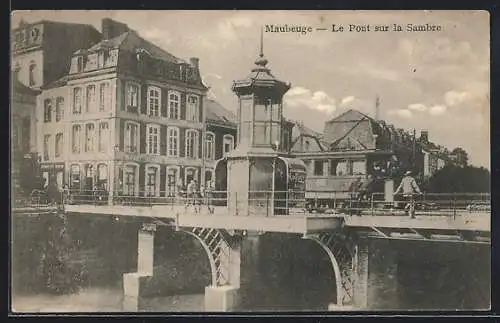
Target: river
[{"x": 294, "y": 275}]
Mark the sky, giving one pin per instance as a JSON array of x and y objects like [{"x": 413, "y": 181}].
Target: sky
[{"x": 436, "y": 81}]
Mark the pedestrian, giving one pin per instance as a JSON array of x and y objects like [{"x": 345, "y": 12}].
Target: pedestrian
[
  {"x": 409, "y": 187},
  {"x": 191, "y": 194},
  {"x": 209, "y": 194}
]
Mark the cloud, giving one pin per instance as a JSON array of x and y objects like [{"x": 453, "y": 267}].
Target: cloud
[
  {"x": 454, "y": 98},
  {"x": 227, "y": 28},
  {"x": 437, "y": 110},
  {"x": 299, "y": 97},
  {"x": 417, "y": 107},
  {"x": 403, "y": 113},
  {"x": 347, "y": 100},
  {"x": 157, "y": 35}
]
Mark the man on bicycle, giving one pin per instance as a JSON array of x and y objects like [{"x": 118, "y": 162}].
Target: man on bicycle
[{"x": 410, "y": 188}]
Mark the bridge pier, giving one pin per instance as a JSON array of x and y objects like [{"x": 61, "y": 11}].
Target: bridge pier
[
  {"x": 133, "y": 283},
  {"x": 225, "y": 298},
  {"x": 375, "y": 276}
]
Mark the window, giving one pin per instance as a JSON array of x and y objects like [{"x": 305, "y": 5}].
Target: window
[
  {"x": 192, "y": 109},
  {"x": 89, "y": 137},
  {"x": 173, "y": 105},
  {"x": 173, "y": 142},
  {"x": 104, "y": 96},
  {"x": 76, "y": 139},
  {"x": 79, "y": 64},
  {"x": 103, "y": 136},
  {"x": 154, "y": 101},
  {"x": 192, "y": 144},
  {"x": 77, "y": 100},
  {"x": 132, "y": 97},
  {"x": 59, "y": 144},
  {"x": 46, "y": 147},
  {"x": 153, "y": 139},
  {"x": 228, "y": 143},
  {"x": 131, "y": 137},
  {"x": 91, "y": 98},
  {"x": 190, "y": 174},
  {"x": 342, "y": 168},
  {"x": 102, "y": 176},
  {"x": 152, "y": 180},
  {"x": 59, "y": 109},
  {"x": 101, "y": 58},
  {"x": 318, "y": 167},
  {"x": 130, "y": 180},
  {"x": 358, "y": 167},
  {"x": 209, "y": 145},
  {"x": 32, "y": 71},
  {"x": 75, "y": 177},
  {"x": 172, "y": 176},
  {"x": 47, "y": 110}
]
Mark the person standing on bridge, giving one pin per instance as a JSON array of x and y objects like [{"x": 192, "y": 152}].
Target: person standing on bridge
[{"x": 409, "y": 187}]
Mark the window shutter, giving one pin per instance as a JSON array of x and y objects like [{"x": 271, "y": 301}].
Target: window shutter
[
  {"x": 122, "y": 134},
  {"x": 142, "y": 138},
  {"x": 163, "y": 180},
  {"x": 200, "y": 108},
  {"x": 201, "y": 142},
  {"x": 182, "y": 142},
  {"x": 120, "y": 179},
  {"x": 183, "y": 106},
  {"x": 163, "y": 140},
  {"x": 164, "y": 103},
  {"x": 144, "y": 99},
  {"x": 142, "y": 170}
]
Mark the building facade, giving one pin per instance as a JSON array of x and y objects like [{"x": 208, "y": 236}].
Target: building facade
[
  {"x": 130, "y": 119},
  {"x": 41, "y": 53}
]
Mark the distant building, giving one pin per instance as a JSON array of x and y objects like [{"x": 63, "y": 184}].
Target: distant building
[
  {"x": 220, "y": 137},
  {"x": 352, "y": 146},
  {"x": 23, "y": 104},
  {"x": 41, "y": 51},
  {"x": 435, "y": 157}
]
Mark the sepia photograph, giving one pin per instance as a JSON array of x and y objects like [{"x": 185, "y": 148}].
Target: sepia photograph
[{"x": 249, "y": 161}]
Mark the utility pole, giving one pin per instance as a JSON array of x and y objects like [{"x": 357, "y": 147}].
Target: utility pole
[
  {"x": 377, "y": 106},
  {"x": 414, "y": 147}
]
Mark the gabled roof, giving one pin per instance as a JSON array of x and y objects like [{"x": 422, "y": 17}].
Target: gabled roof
[
  {"x": 131, "y": 41},
  {"x": 216, "y": 113}
]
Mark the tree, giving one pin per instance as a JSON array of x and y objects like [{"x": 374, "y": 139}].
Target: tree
[
  {"x": 458, "y": 179},
  {"x": 461, "y": 157}
]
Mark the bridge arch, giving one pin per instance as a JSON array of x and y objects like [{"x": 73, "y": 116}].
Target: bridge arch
[
  {"x": 217, "y": 248},
  {"x": 342, "y": 258}
]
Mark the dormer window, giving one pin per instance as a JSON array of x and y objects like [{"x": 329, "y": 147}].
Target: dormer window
[
  {"x": 79, "y": 64},
  {"x": 101, "y": 59}
]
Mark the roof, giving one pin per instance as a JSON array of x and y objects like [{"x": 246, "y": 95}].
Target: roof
[
  {"x": 57, "y": 83},
  {"x": 131, "y": 41},
  {"x": 305, "y": 131},
  {"x": 216, "y": 113},
  {"x": 20, "y": 88}
]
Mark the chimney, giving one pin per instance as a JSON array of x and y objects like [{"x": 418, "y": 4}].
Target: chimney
[
  {"x": 111, "y": 28},
  {"x": 424, "y": 136},
  {"x": 195, "y": 62}
]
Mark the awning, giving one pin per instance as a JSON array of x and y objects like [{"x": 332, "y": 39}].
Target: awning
[{"x": 294, "y": 164}]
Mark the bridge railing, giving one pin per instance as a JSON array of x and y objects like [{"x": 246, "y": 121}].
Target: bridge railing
[{"x": 277, "y": 203}]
